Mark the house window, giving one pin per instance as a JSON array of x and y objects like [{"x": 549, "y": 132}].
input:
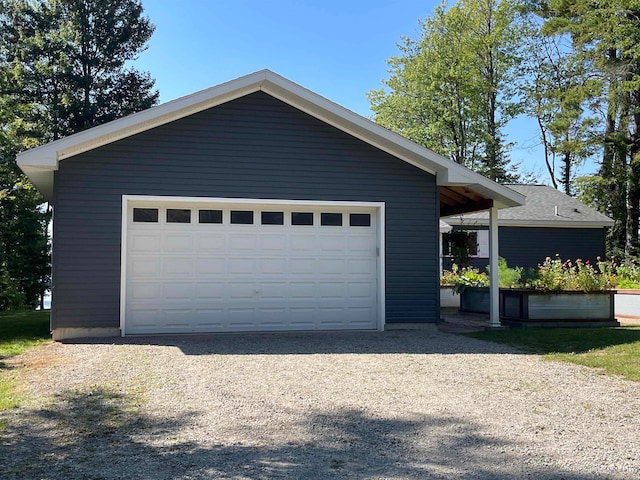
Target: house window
[
  {"x": 460, "y": 244},
  {"x": 178, "y": 215},
  {"x": 210, "y": 216},
  {"x": 331, "y": 219},
  {"x": 149, "y": 215},
  {"x": 272, "y": 218},
  {"x": 242, "y": 217},
  {"x": 301, "y": 218},
  {"x": 359, "y": 219}
]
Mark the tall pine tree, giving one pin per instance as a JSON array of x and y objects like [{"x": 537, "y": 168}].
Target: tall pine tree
[{"x": 64, "y": 67}]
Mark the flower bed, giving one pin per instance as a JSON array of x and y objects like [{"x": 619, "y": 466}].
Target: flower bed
[
  {"x": 562, "y": 293},
  {"x": 520, "y": 307}
]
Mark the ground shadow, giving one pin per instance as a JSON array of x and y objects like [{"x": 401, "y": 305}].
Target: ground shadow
[
  {"x": 101, "y": 434},
  {"x": 419, "y": 341}
]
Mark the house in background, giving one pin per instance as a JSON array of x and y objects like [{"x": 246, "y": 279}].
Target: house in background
[
  {"x": 549, "y": 223},
  {"x": 255, "y": 205}
]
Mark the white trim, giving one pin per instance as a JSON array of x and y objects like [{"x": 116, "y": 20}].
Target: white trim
[
  {"x": 123, "y": 260},
  {"x": 40, "y": 163},
  {"x": 494, "y": 287},
  {"x": 484, "y": 222},
  {"x": 141, "y": 199}
]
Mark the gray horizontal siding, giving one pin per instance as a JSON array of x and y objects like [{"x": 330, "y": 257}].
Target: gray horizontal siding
[
  {"x": 253, "y": 147},
  {"x": 528, "y": 247}
]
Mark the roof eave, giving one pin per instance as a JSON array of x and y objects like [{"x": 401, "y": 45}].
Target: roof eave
[{"x": 457, "y": 221}]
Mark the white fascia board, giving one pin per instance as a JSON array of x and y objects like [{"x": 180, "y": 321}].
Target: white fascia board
[{"x": 483, "y": 222}]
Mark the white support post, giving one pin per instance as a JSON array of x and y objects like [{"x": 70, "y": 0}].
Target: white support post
[{"x": 494, "y": 289}]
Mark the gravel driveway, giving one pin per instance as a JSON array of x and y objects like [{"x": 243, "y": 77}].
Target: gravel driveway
[{"x": 398, "y": 404}]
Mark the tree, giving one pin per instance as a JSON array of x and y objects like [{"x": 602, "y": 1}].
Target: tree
[
  {"x": 606, "y": 35},
  {"x": 450, "y": 89},
  {"x": 64, "y": 67},
  {"x": 558, "y": 93}
]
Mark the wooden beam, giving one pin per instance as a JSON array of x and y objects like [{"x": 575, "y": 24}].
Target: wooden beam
[
  {"x": 447, "y": 200},
  {"x": 448, "y": 210},
  {"x": 466, "y": 192},
  {"x": 447, "y": 192}
]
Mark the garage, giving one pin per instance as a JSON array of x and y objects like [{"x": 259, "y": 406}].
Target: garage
[
  {"x": 253, "y": 205},
  {"x": 195, "y": 265}
]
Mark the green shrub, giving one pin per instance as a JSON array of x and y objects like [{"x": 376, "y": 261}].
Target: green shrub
[
  {"x": 470, "y": 277},
  {"x": 507, "y": 277},
  {"x": 556, "y": 274}
]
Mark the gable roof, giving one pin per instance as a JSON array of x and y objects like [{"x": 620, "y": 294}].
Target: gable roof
[
  {"x": 544, "y": 207},
  {"x": 461, "y": 190}
]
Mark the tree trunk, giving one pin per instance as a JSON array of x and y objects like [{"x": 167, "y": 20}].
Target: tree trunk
[{"x": 633, "y": 196}]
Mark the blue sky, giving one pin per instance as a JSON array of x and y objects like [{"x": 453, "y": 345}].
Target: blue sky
[{"x": 334, "y": 48}]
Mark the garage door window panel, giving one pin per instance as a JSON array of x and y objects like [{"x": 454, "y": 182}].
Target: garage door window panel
[
  {"x": 145, "y": 215},
  {"x": 302, "y": 218},
  {"x": 178, "y": 215},
  {"x": 272, "y": 218},
  {"x": 359, "y": 219},
  {"x": 242, "y": 217},
  {"x": 331, "y": 219},
  {"x": 210, "y": 216}
]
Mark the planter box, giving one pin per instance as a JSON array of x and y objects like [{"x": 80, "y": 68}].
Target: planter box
[
  {"x": 448, "y": 299},
  {"x": 628, "y": 304},
  {"x": 557, "y": 309},
  {"x": 544, "y": 309},
  {"x": 475, "y": 300}
]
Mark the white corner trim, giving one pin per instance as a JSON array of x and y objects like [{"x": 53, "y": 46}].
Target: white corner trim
[
  {"x": 123, "y": 261},
  {"x": 381, "y": 267}
]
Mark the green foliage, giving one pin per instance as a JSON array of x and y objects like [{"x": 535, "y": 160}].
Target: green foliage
[
  {"x": 461, "y": 278},
  {"x": 461, "y": 244},
  {"x": 605, "y": 37},
  {"x": 558, "y": 94},
  {"x": 10, "y": 296},
  {"x": 450, "y": 90},
  {"x": 64, "y": 67},
  {"x": 625, "y": 275},
  {"x": 616, "y": 350},
  {"x": 507, "y": 277},
  {"x": 22, "y": 330},
  {"x": 556, "y": 275}
]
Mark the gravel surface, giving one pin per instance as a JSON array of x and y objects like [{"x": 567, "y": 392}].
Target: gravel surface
[{"x": 398, "y": 404}]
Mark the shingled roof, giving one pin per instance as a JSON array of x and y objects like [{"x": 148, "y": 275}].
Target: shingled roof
[{"x": 544, "y": 207}]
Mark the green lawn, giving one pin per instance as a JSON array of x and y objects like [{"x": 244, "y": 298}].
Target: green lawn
[
  {"x": 615, "y": 350},
  {"x": 18, "y": 332}
]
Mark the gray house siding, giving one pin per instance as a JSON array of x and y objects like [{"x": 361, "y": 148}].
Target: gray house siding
[
  {"x": 252, "y": 147},
  {"x": 529, "y": 246}
]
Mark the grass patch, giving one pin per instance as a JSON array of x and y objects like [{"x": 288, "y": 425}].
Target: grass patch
[
  {"x": 18, "y": 332},
  {"x": 615, "y": 350}
]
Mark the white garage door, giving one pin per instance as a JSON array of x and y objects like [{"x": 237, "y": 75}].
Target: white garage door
[{"x": 226, "y": 267}]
